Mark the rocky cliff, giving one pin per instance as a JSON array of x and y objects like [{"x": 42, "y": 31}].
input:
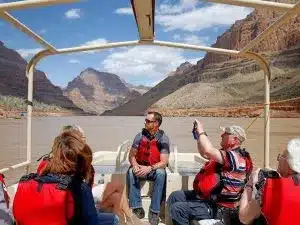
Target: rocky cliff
[
  {"x": 95, "y": 91},
  {"x": 14, "y": 82},
  {"x": 243, "y": 31},
  {"x": 204, "y": 84}
]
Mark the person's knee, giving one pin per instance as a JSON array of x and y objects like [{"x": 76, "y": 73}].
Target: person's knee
[
  {"x": 178, "y": 210},
  {"x": 161, "y": 174},
  {"x": 174, "y": 196}
]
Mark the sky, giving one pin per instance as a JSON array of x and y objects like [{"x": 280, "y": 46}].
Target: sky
[{"x": 91, "y": 22}]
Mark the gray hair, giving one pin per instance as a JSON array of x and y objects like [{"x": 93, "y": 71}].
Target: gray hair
[{"x": 293, "y": 158}]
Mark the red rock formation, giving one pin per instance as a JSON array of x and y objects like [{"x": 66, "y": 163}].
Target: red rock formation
[
  {"x": 95, "y": 91},
  {"x": 14, "y": 82},
  {"x": 243, "y": 31}
]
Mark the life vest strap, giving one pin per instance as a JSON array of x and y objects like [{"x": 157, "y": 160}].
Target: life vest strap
[{"x": 63, "y": 182}]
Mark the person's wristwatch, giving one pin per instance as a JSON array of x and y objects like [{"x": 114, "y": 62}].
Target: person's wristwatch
[{"x": 203, "y": 133}]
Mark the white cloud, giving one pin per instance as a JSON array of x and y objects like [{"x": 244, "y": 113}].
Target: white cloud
[
  {"x": 73, "y": 14},
  {"x": 188, "y": 16},
  {"x": 201, "y": 18},
  {"x": 194, "y": 60},
  {"x": 98, "y": 41},
  {"x": 74, "y": 61},
  {"x": 144, "y": 61},
  {"x": 191, "y": 39},
  {"x": 28, "y": 52},
  {"x": 183, "y": 6},
  {"x": 126, "y": 11}
]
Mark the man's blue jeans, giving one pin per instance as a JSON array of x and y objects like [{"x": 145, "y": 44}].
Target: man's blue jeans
[
  {"x": 158, "y": 177},
  {"x": 184, "y": 206}
]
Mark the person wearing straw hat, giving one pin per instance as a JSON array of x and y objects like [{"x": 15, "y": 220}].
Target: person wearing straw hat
[
  {"x": 273, "y": 197},
  {"x": 218, "y": 186}
]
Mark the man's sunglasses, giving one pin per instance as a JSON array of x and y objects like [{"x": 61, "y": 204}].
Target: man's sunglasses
[
  {"x": 149, "y": 121},
  {"x": 279, "y": 156}
]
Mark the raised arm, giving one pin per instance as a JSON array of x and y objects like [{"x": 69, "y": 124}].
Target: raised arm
[{"x": 205, "y": 147}]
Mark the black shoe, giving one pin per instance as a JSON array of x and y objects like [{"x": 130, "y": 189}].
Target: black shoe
[
  {"x": 139, "y": 212},
  {"x": 153, "y": 218}
]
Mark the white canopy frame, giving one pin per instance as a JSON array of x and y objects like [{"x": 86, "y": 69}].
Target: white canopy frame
[{"x": 144, "y": 11}]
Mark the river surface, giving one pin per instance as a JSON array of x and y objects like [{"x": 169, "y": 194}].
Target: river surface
[{"x": 106, "y": 133}]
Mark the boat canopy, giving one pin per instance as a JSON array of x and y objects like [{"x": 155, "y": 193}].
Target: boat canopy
[{"x": 144, "y": 13}]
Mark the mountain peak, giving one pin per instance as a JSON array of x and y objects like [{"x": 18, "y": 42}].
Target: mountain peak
[{"x": 96, "y": 91}]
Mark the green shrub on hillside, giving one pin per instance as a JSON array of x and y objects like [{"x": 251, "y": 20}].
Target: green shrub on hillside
[{"x": 11, "y": 103}]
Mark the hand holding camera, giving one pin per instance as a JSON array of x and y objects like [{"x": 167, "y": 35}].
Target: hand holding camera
[{"x": 197, "y": 129}]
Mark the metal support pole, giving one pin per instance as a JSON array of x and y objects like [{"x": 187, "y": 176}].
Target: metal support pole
[
  {"x": 29, "y": 74},
  {"x": 257, "y": 4},
  {"x": 193, "y": 47},
  {"x": 22, "y": 27},
  {"x": 267, "y": 73}
]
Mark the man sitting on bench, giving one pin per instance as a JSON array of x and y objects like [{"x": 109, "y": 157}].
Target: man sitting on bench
[{"x": 148, "y": 156}]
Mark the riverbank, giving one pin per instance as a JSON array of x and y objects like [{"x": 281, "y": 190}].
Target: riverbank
[
  {"x": 23, "y": 114},
  {"x": 16, "y": 107},
  {"x": 279, "y": 109}
]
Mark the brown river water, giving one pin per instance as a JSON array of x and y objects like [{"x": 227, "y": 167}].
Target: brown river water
[{"x": 106, "y": 133}]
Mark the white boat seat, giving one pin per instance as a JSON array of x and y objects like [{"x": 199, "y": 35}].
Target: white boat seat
[
  {"x": 207, "y": 222},
  {"x": 146, "y": 188}
]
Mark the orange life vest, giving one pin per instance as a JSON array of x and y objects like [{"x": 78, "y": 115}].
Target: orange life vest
[
  {"x": 6, "y": 196},
  {"x": 47, "y": 199},
  {"x": 281, "y": 200},
  {"x": 148, "y": 150}
]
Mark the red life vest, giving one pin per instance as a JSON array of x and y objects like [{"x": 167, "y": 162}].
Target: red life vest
[
  {"x": 40, "y": 200},
  {"x": 208, "y": 182},
  {"x": 6, "y": 196},
  {"x": 42, "y": 165},
  {"x": 148, "y": 150},
  {"x": 281, "y": 200}
]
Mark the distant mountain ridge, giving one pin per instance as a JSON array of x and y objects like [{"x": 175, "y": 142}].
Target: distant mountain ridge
[
  {"x": 13, "y": 81},
  {"x": 142, "y": 89},
  {"x": 95, "y": 91}
]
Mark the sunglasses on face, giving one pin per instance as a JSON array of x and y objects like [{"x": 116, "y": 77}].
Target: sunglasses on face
[
  {"x": 150, "y": 121},
  {"x": 280, "y": 156}
]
